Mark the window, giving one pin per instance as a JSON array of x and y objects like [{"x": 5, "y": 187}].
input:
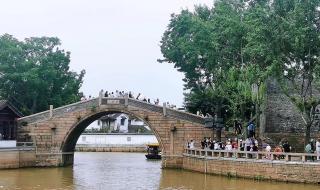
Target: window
[
  {"x": 122, "y": 121},
  {"x": 84, "y": 138},
  {"x": 128, "y": 139}
]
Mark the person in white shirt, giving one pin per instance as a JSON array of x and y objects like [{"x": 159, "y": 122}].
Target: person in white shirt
[
  {"x": 318, "y": 149},
  {"x": 216, "y": 146},
  {"x": 228, "y": 146},
  {"x": 191, "y": 144},
  {"x": 268, "y": 150}
]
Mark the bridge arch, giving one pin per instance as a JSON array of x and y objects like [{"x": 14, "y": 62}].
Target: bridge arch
[
  {"x": 55, "y": 132},
  {"x": 72, "y": 136}
]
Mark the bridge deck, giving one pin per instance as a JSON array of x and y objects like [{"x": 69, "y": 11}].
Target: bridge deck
[{"x": 120, "y": 102}]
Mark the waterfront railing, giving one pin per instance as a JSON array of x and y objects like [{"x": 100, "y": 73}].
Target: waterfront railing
[
  {"x": 25, "y": 144},
  {"x": 259, "y": 155}
]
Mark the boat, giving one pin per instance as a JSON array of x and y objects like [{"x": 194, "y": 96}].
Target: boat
[{"x": 153, "y": 151}]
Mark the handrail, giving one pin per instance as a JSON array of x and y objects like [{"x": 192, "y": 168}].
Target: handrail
[
  {"x": 259, "y": 155},
  {"x": 25, "y": 144},
  {"x": 45, "y": 115}
]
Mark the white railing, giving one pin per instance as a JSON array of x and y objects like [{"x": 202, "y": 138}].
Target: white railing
[
  {"x": 25, "y": 144},
  {"x": 235, "y": 154}
]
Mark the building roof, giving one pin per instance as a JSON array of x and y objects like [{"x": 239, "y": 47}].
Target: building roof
[
  {"x": 112, "y": 116},
  {"x": 6, "y": 103}
]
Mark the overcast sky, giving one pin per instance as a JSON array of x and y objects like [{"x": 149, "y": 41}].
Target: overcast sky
[{"x": 117, "y": 42}]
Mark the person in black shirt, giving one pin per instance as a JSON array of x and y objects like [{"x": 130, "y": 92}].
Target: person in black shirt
[
  {"x": 286, "y": 146},
  {"x": 237, "y": 127}
]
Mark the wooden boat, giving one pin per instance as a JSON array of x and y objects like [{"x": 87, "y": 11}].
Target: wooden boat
[{"x": 153, "y": 151}]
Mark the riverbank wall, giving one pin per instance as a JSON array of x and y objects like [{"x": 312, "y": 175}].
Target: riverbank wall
[
  {"x": 114, "y": 142},
  {"x": 110, "y": 148},
  {"x": 17, "y": 158},
  {"x": 254, "y": 168}
]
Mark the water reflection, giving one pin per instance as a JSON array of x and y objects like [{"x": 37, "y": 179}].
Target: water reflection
[
  {"x": 117, "y": 171},
  {"x": 37, "y": 178}
]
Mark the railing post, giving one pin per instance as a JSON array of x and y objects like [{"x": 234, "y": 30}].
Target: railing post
[
  {"x": 304, "y": 158},
  {"x": 247, "y": 155},
  {"x": 164, "y": 109},
  {"x": 50, "y": 111},
  {"x": 100, "y": 97},
  {"x": 237, "y": 154},
  {"x": 126, "y": 100},
  {"x": 287, "y": 157}
]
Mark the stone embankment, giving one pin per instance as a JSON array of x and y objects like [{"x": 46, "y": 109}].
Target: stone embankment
[
  {"x": 110, "y": 148},
  {"x": 294, "y": 167},
  {"x": 17, "y": 157}
]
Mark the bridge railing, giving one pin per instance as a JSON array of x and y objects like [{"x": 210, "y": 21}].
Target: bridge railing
[
  {"x": 123, "y": 101},
  {"x": 263, "y": 156},
  {"x": 25, "y": 144},
  {"x": 168, "y": 111},
  {"x": 59, "y": 111}
]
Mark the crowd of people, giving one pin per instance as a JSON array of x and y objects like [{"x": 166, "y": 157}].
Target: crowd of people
[
  {"x": 251, "y": 144},
  {"x": 313, "y": 147},
  {"x": 122, "y": 94}
]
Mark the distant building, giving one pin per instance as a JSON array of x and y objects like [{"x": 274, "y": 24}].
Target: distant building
[{"x": 119, "y": 123}]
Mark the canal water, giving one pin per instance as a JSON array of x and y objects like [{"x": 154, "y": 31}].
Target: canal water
[{"x": 127, "y": 171}]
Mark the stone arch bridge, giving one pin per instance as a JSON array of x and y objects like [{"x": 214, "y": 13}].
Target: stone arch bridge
[{"x": 55, "y": 132}]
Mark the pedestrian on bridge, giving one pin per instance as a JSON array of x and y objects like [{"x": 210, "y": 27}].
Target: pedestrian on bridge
[{"x": 251, "y": 130}]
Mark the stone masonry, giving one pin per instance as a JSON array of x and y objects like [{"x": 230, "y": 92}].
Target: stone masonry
[
  {"x": 55, "y": 132},
  {"x": 256, "y": 169},
  {"x": 281, "y": 118}
]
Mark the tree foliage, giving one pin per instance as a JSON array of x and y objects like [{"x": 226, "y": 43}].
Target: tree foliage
[
  {"x": 225, "y": 50},
  {"x": 35, "y": 73}
]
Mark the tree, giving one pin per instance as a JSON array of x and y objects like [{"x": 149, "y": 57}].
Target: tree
[
  {"x": 299, "y": 70},
  {"x": 207, "y": 45},
  {"x": 225, "y": 50},
  {"x": 35, "y": 73}
]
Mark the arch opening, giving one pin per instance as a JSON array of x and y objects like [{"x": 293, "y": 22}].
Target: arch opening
[{"x": 71, "y": 139}]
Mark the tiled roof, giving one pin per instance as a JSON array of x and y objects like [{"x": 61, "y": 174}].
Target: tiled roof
[
  {"x": 5, "y": 103},
  {"x": 111, "y": 116}
]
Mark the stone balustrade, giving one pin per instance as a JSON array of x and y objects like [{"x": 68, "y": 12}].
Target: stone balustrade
[
  {"x": 102, "y": 101},
  {"x": 25, "y": 144},
  {"x": 253, "y": 156}
]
